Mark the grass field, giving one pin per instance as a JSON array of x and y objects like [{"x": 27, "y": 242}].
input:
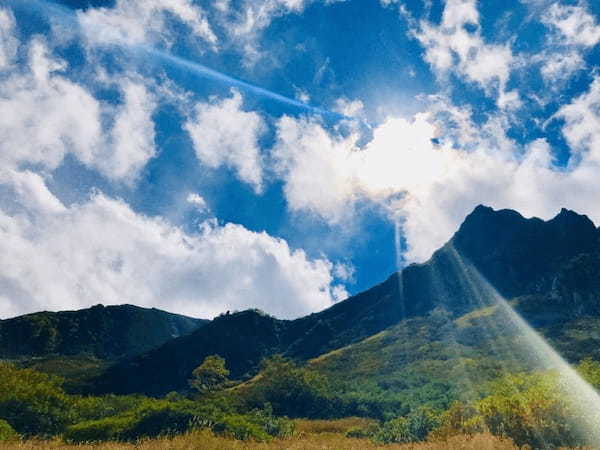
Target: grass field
[
  {"x": 309, "y": 435},
  {"x": 321, "y": 441}
]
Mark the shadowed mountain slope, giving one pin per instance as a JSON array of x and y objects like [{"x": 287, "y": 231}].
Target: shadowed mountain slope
[{"x": 520, "y": 257}]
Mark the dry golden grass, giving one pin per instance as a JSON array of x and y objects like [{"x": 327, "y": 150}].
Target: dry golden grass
[
  {"x": 341, "y": 426},
  {"x": 320, "y": 440}
]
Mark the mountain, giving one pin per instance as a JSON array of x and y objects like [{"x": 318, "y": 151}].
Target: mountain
[
  {"x": 102, "y": 332},
  {"x": 528, "y": 259}
]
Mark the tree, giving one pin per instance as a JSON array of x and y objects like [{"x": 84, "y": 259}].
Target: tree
[
  {"x": 290, "y": 390},
  {"x": 210, "y": 376},
  {"x": 33, "y": 403}
]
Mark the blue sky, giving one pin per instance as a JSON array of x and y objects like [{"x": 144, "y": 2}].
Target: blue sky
[{"x": 202, "y": 156}]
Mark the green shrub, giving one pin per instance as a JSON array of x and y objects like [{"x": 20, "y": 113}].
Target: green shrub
[
  {"x": 160, "y": 422},
  {"x": 272, "y": 425},
  {"x": 531, "y": 409},
  {"x": 291, "y": 390},
  {"x": 32, "y": 402},
  {"x": 240, "y": 427},
  {"x": 107, "y": 429},
  {"x": 7, "y": 433},
  {"x": 151, "y": 420},
  {"x": 94, "y": 408},
  {"x": 460, "y": 419},
  {"x": 590, "y": 371},
  {"x": 414, "y": 427}
]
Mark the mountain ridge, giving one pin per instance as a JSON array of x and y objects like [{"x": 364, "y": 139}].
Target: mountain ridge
[
  {"x": 104, "y": 332},
  {"x": 518, "y": 256}
]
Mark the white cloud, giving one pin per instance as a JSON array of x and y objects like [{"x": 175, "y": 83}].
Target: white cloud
[
  {"x": 244, "y": 22},
  {"x": 141, "y": 22},
  {"x": 452, "y": 47},
  {"x": 224, "y": 134},
  {"x": 131, "y": 142},
  {"x": 8, "y": 42},
  {"x": 257, "y": 15},
  {"x": 316, "y": 168},
  {"x": 349, "y": 108},
  {"x": 57, "y": 257},
  {"x": 561, "y": 65},
  {"x": 575, "y": 23},
  {"x": 198, "y": 201},
  {"x": 582, "y": 123},
  {"x": 46, "y": 116},
  {"x": 430, "y": 172},
  {"x": 572, "y": 32}
]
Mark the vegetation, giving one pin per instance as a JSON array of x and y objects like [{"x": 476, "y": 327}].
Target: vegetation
[
  {"x": 102, "y": 332},
  {"x": 424, "y": 359},
  {"x": 210, "y": 376},
  {"x": 7, "y": 433},
  {"x": 527, "y": 408},
  {"x": 290, "y": 390},
  {"x": 35, "y": 404},
  {"x": 307, "y": 441}
]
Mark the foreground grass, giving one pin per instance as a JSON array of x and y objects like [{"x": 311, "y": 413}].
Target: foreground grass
[{"x": 304, "y": 440}]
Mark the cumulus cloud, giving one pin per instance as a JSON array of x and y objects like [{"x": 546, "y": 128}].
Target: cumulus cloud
[
  {"x": 224, "y": 134},
  {"x": 348, "y": 108},
  {"x": 243, "y": 22},
  {"x": 316, "y": 168},
  {"x": 575, "y": 23},
  {"x": 46, "y": 116},
  {"x": 453, "y": 46},
  {"x": 142, "y": 22},
  {"x": 8, "y": 43},
  {"x": 198, "y": 202},
  {"x": 560, "y": 65},
  {"x": 58, "y": 257},
  {"x": 572, "y": 32},
  {"x": 433, "y": 170},
  {"x": 582, "y": 124},
  {"x": 131, "y": 142}
]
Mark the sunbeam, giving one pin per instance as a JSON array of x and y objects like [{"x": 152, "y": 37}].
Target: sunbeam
[{"x": 584, "y": 398}]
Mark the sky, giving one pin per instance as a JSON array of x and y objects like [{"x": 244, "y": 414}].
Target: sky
[{"x": 202, "y": 156}]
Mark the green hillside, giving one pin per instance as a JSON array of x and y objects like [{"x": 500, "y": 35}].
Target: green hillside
[
  {"x": 542, "y": 263},
  {"x": 104, "y": 332}
]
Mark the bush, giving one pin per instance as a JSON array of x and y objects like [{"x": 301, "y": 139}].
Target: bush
[
  {"x": 32, "y": 402},
  {"x": 590, "y": 371},
  {"x": 414, "y": 427},
  {"x": 240, "y": 427},
  {"x": 151, "y": 420},
  {"x": 7, "y": 433},
  {"x": 94, "y": 408},
  {"x": 290, "y": 390},
  {"x": 155, "y": 418},
  {"x": 531, "y": 409},
  {"x": 160, "y": 422},
  {"x": 108, "y": 429},
  {"x": 459, "y": 419},
  {"x": 272, "y": 425}
]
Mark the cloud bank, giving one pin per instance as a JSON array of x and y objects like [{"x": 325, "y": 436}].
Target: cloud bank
[{"x": 99, "y": 250}]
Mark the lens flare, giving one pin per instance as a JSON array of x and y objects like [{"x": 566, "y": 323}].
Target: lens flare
[
  {"x": 584, "y": 398},
  {"x": 207, "y": 72},
  {"x": 65, "y": 14}
]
